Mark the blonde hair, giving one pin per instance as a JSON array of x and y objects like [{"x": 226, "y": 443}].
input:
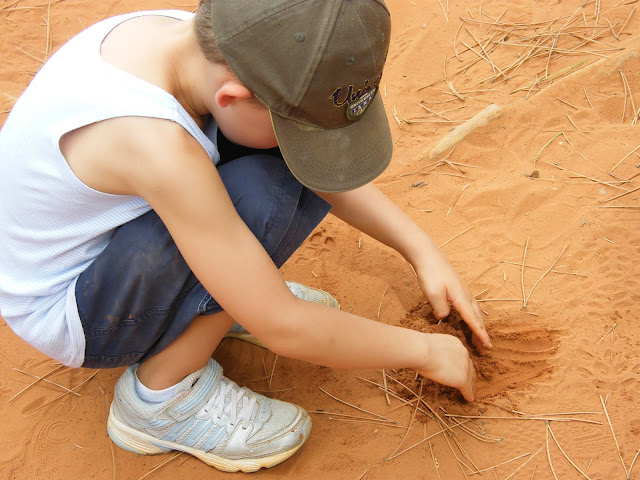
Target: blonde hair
[
  {"x": 204, "y": 34},
  {"x": 207, "y": 41}
]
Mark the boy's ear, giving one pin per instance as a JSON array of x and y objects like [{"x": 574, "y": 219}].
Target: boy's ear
[{"x": 230, "y": 91}]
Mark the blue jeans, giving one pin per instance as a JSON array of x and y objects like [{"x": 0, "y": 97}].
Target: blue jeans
[{"x": 139, "y": 294}]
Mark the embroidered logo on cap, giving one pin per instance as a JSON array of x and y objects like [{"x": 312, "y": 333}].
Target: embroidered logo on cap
[{"x": 356, "y": 101}]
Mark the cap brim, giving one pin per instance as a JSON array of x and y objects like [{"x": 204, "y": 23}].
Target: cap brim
[{"x": 338, "y": 159}]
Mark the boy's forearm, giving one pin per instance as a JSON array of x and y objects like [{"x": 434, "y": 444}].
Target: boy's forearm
[
  {"x": 333, "y": 338},
  {"x": 374, "y": 214}
]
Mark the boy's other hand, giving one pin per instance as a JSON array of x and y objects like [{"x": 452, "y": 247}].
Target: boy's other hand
[{"x": 442, "y": 286}]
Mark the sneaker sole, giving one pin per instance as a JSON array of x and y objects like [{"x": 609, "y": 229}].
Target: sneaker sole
[{"x": 138, "y": 442}]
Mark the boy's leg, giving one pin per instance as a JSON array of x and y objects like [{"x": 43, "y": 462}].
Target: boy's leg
[
  {"x": 139, "y": 295},
  {"x": 208, "y": 416}
]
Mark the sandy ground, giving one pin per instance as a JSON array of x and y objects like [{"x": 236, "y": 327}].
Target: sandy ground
[{"x": 534, "y": 187}]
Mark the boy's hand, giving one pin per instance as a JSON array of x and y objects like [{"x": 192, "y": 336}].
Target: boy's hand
[
  {"x": 442, "y": 286},
  {"x": 448, "y": 363}
]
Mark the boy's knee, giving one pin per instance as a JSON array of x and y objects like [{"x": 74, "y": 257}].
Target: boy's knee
[{"x": 264, "y": 193}]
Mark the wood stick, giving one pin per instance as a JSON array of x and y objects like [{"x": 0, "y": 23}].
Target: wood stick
[
  {"x": 500, "y": 464},
  {"x": 622, "y": 194},
  {"x": 524, "y": 258},
  {"x": 444, "y": 11},
  {"x": 522, "y": 466},
  {"x": 435, "y": 461},
  {"x": 419, "y": 443},
  {"x": 113, "y": 455},
  {"x": 410, "y": 422},
  {"x": 64, "y": 394},
  {"x": 535, "y": 160},
  {"x": 372, "y": 421},
  {"x": 584, "y": 176},
  {"x": 353, "y": 406},
  {"x": 565, "y": 454},
  {"x": 386, "y": 389},
  {"x": 456, "y": 236},
  {"x": 460, "y": 132},
  {"x": 457, "y": 198},
  {"x": 481, "y": 417},
  {"x": 626, "y": 21},
  {"x": 161, "y": 464},
  {"x": 548, "y": 452},
  {"x": 383, "y": 294},
  {"x": 542, "y": 268},
  {"x": 322, "y": 412},
  {"x": 615, "y": 439},
  {"x": 362, "y": 476},
  {"x": 632, "y": 464},
  {"x": 448, "y": 82},
  {"x": 273, "y": 369},
  {"x": 585, "y": 94},
  {"x": 68, "y": 390},
  {"x": 624, "y": 158},
  {"x": 545, "y": 274},
  {"x": 34, "y": 382}
]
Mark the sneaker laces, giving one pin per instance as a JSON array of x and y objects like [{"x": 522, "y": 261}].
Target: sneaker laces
[{"x": 217, "y": 403}]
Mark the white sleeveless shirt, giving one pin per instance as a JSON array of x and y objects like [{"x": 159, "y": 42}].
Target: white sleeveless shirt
[{"x": 52, "y": 226}]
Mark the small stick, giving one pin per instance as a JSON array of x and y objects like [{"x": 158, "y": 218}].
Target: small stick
[
  {"x": 545, "y": 274},
  {"x": 585, "y": 94},
  {"x": 448, "y": 82},
  {"x": 624, "y": 107},
  {"x": 574, "y": 125},
  {"x": 626, "y": 21},
  {"x": 624, "y": 158},
  {"x": 371, "y": 421},
  {"x": 632, "y": 464},
  {"x": 567, "y": 103},
  {"x": 622, "y": 194},
  {"x": 535, "y": 160},
  {"x": 565, "y": 454},
  {"x": 500, "y": 464},
  {"x": 362, "y": 476},
  {"x": 34, "y": 382},
  {"x": 380, "y": 306},
  {"x": 618, "y": 206},
  {"x": 542, "y": 268},
  {"x": 444, "y": 11},
  {"x": 612, "y": 432},
  {"x": 68, "y": 390},
  {"x": 353, "y": 406},
  {"x": 456, "y": 236},
  {"x": 435, "y": 461},
  {"x": 555, "y": 414},
  {"x": 524, "y": 257},
  {"x": 609, "y": 184},
  {"x": 480, "y": 417},
  {"x": 522, "y": 466},
  {"x": 455, "y": 38},
  {"x": 161, "y": 464},
  {"x": 612, "y": 29},
  {"x": 633, "y": 103},
  {"x": 113, "y": 455},
  {"x": 273, "y": 369},
  {"x": 410, "y": 422},
  {"x": 322, "y": 412},
  {"x": 386, "y": 389},
  {"x": 499, "y": 300},
  {"x": 457, "y": 198},
  {"x": 65, "y": 393},
  {"x": 567, "y": 139},
  {"x": 607, "y": 333},
  {"x": 548, "y": 452},
  {"x": 395, "y": 115},
  {"x": 553, "y": 46},
  {"x": 423, "y": 440}
]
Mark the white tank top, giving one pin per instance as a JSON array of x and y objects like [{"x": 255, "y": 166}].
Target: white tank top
[{"x": 52, "y": 225}]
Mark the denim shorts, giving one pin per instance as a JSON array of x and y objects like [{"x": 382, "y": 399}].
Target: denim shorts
[{"x": 139, "y": 294}]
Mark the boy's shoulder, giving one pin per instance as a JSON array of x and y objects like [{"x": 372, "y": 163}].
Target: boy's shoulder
[{"x": 122, "y": 155}]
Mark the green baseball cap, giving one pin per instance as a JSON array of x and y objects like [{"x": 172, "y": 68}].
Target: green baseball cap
[{"x": 316, "y": 64}]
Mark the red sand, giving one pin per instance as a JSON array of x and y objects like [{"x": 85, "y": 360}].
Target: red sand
[{"x": 554, "y": 356}]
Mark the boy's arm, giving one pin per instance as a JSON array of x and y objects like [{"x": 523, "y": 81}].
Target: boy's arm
[
  {"x": 371, "y": 212},
  {"x": 181, "y": 184}
]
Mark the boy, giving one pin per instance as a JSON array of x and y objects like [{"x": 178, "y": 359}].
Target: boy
[{"x": 124, "y": 212}]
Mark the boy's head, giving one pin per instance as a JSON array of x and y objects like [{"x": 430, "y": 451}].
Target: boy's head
[{"x": 316, "y": 64}]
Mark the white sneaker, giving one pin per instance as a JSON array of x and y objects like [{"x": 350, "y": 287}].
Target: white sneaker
[
  {"x": 303, "y": 293},
  {"x": 212, "y": 418}
]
